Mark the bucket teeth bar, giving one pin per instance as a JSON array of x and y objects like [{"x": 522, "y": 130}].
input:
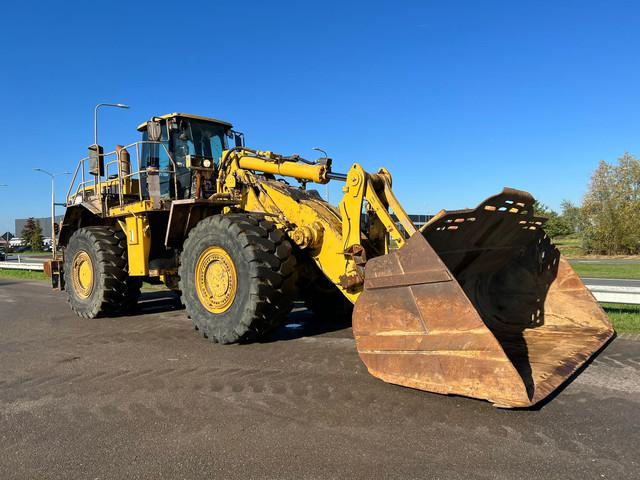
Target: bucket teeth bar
[{"x": 481, "y": 304}]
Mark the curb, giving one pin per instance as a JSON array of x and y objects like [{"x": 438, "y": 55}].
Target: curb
[{"x": 629, "y": 336}]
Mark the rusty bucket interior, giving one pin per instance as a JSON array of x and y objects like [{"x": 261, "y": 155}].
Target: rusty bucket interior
[{"x": 479, "y": 303}]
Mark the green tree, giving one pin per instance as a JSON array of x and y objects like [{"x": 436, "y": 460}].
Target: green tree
[
  {"x": 556, "y": 225},
  {"x": 611, "y": 208},
  {"x": 32, "y": 234},
  {"x": 572, "y": 216}
]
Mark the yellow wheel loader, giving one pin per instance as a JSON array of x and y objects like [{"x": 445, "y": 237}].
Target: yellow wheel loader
[{"x": 477, "y": 302}]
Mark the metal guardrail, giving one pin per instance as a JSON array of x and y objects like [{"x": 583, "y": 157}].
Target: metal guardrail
[
  {"x": 96, "y": 183},
  {"x": 615, "y": 294},
  {"x": 39, "y": 267}
]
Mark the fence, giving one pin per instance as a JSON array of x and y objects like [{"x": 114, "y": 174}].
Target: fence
[
  {"x": 615, "y": 294},
  {"x": 38, "y": 267}
]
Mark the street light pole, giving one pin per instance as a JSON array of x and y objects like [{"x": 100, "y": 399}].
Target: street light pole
[
  {"x": 95, "y": 117},
  {"x": 5, "y": 185},
  {"x": 53, "y": 206}
]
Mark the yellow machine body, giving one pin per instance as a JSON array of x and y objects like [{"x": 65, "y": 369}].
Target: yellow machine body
[{"x": 478, "y": 303}]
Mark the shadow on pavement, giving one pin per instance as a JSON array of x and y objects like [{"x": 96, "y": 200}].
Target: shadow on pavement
[
  {"x": 158, "y": 302},
  {"x": 304, "y": 323},
  {"x": 300, "y": 323}
]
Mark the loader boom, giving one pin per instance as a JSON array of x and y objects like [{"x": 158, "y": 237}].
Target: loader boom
[{"x": 312, "y": 223}]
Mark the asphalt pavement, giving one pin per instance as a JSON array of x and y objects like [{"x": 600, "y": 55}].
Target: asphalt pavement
[
  {"x": 145, "y": 397},
  {"x": 608, "y": 261},
  {"x": 612, "y": 282}
]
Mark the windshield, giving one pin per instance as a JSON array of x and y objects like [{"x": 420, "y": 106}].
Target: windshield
[{"x": 195, "y": 137}]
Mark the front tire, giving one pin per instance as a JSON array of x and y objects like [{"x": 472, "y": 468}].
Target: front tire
[
  {"x": 236, "y": 277},
  {"x": 96, "y": 274},
  {"x": 325, "y": 299}
]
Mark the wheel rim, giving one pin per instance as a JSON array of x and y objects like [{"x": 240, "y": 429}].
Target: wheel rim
[
  {"x": 216, "y": 280},
  {"x": 82, "y": 274}
]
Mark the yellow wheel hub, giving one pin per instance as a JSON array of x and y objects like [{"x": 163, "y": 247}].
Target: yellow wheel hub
[
  {"x": 216, "y": 280},
  {"x": 82, "y": 274}
]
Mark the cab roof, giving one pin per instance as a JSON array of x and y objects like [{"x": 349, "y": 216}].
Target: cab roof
[{"x": 142, "y": 126}]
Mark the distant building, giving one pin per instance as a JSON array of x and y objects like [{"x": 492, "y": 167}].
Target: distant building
[
  {"x": 45, "y": 224},
  {"x": 418, "y": 220}
]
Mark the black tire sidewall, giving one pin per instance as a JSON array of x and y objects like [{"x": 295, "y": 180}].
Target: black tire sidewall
[
  {"x": 82, "y": 240},
  {"x": 217, "y": 235}
]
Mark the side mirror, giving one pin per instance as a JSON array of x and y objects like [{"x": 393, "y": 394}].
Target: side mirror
[
  {"x": 154, "y": 131},
  {"x": 238, "y": 138},
  {"x": 96, "y": 160}
]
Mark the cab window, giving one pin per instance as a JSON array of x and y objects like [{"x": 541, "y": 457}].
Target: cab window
[{"x": 154, "y": 155}]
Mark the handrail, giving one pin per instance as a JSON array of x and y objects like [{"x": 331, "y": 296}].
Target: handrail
[{"x": 99, "y": 180}]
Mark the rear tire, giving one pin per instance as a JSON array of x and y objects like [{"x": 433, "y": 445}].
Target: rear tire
[
  {"x": 96, "y": 274},
  {"x": 237, "y": 277},
  {"x": 325, "y": 299}
]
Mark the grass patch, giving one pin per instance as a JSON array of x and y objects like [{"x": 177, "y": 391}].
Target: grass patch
[
  {"x": 625, "y": 318},
  {"x": 570, "y": 246},
  {"x": 29, "y": 253},
  {"x": 23, "y": 274},
  {"x": 41, "y": 276},
  {"x": 607, "y": 270}
]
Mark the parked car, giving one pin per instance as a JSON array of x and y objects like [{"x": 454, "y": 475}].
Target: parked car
[{"x": 3, "y": 255}]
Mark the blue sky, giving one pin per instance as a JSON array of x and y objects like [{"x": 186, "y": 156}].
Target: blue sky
[{"x": 457, "y": 99}]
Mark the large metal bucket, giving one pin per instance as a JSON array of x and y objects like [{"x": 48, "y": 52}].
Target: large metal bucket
[{"x": 481, "y": 304}]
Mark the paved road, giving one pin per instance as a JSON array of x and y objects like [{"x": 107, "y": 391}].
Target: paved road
[
  {"x": 145, "y": 397},
  {"x": 612, "y": 282},
  {"x": 608, "y": 261}
]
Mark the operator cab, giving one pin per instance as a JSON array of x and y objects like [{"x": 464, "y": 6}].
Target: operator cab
[{"x": 191, "y": 146}]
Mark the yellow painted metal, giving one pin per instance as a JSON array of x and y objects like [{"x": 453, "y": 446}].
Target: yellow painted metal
[
  {"x": 383, "y": 215},
  {"x": 216, "y": 279},
  {"x": 338, "y": 251},
  {"x": 142, "y": 126},
  {"x": 360, "y": 186},
  {"x": 82, "y": 274},
  {"x": 291, "y": 209},
  {"x": 394, "y": 204},
  {"x": 138, "y": 244},
  {"x": 351, "y": 206},
  {"x": 307, "y": 236},
  {"x": 130, "y": 186},
  {"x": 131, "y": 208},
  {"x": 302, "y": 171}
]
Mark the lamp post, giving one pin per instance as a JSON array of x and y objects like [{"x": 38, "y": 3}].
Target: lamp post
[
  {"x": 5, "y": 185},
  {"x": 95, "y": 117},
  {"x": 53, "y": 206}
]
